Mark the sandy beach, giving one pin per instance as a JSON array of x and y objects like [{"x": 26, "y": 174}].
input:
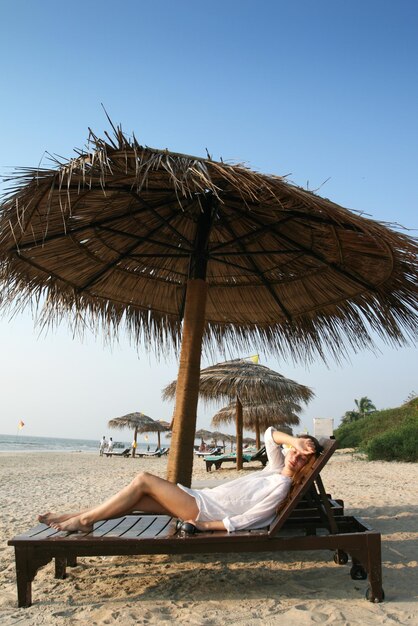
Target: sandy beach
[{"x": 293, "y": 588}]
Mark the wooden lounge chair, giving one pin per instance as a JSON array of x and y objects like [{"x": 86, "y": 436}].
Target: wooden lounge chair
[
  {"x": 309, "y": 520},
  {"x": 260, "y": 455}
]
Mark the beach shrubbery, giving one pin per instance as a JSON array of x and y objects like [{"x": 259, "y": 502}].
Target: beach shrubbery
[
  {"x": 395, "y": 445},
  {"x": 390, "y": 435}
]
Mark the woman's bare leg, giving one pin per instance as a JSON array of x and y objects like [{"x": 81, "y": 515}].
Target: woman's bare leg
[
  {"x": 144, "y": 490},
  {"x": 148, "y": 505}
]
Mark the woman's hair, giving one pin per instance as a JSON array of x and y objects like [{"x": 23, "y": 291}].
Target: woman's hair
[
  {"x": 304, "y": 471},
  {"x": 301, "y": 474}
]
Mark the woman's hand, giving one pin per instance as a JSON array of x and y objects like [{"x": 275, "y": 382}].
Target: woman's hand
[
  {"x": 218, "y": 525},
  {"x": 304, "y": 445}
]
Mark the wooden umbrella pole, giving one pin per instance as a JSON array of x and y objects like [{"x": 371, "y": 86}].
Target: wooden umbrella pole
[
  {"x": 180, "y": 459},
  {"x": 135, "y": 438},
  {"x": 159, "y": 440},
  {"x": 239, "y": 433},
  {"x": 257, "y": 434}
]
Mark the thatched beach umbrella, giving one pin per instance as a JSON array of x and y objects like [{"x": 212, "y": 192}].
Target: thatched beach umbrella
[
  {"x": 157, "y": 427},
  {"x": 248, "y": 382},
  {"x": 166, "y": 427},
  {"x": 260, "y": 416},
  {"x": 218, "y": 436},
  {"x": 138, "y": 421},
  {"x": 203, "y": 434},
  {"x": 181, "y": 249}
]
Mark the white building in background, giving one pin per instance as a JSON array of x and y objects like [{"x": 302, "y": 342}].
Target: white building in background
[{"x": 323, "y": 427}]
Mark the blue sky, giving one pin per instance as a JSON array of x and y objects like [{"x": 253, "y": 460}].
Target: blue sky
[{"x": 324, "y": 91}]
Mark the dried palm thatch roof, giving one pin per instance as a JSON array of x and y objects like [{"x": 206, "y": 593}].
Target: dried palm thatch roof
[
  {"x": 260, "y": 415},
  {"x": 140, "y": 422},
  {"x": 109, "y": 238},
  {"x": 222, "y": 436},
  {"x": 203, "y": 434},
  {"x": 251, "y": 382}
]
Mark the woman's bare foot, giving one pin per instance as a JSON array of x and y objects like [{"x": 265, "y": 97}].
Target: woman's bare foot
[
  {"x": 73, "y": 525},
  {"x": 55, "y": 518}
]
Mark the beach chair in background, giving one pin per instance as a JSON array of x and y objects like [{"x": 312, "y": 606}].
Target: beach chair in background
[
  {"x": 211, "y": 452},
  {"x": 158, "y": 452},
  {"x": 259, "y": 455},
  {"x": 308, "y": 520},
  {"x": 125, "y": 453}
]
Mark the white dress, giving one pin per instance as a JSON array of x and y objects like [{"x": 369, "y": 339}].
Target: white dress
[{"x": 247, "y": 502}]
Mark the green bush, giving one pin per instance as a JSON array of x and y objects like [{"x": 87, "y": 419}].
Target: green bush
[
  {"x": 400, "y": 444},
  {"x": 390, "y": 434},
  {"x": 348, "y": 435}
]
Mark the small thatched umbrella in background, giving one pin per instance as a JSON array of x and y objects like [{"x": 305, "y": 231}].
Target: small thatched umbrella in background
[
  {"x": 138, "y": 421},
  {"x": 247, "y": 382},
  {"x": 166, "y": 428},
  {"x": 157, "y": 427},
  {"x": 218, "y": 436},
  {"x": 203, "y": 435},
  {"x": 226, "y": 437},
  {"x": 259, "y": 416},
  {"x": 187, "y": 250}
]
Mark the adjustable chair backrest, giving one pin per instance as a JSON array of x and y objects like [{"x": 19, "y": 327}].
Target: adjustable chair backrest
[
  {"x": 299, "y": 490},
  {"x": 259, "y": 453}
]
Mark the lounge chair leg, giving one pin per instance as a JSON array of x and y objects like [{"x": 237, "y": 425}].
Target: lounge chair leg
[
  {"x": 27, "y": 564},
  {"x": 374, "y": 556},
  {"x": 62, "y": 562},
  {"x": 23, "y": 577},
  {"x": 368, "y": 558},
  {"x": 60, "y": 567}
]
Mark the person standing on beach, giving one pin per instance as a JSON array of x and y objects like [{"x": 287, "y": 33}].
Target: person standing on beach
[
  {"x": 110, "y": 446},
  {"x": 248, "y": 502},
  {"x": 102, "y": 445}
]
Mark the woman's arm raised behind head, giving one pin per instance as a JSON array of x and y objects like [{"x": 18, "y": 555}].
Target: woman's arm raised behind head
[{"x": 303, "y": 445}]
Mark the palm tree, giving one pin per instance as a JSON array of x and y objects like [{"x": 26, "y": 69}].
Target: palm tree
[
  {"x": 364, "y": 407},
  {"x": 350, "y": 416}
]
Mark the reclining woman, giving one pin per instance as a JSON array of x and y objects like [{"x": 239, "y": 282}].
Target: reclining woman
[{"x": 244, "y": 503}]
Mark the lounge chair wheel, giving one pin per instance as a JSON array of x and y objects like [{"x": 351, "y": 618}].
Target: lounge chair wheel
[
  {"x": 340, "y": 557},
  {"x": 371, "y": 598},
  {"x": 357, "y": 572}
]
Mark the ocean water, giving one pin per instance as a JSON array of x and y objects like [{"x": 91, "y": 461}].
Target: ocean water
[{"x": 23, "y": 443}]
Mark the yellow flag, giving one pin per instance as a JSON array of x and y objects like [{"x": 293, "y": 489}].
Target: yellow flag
[
  {"x": 254, "y": 358},
  {"x": 21, "y": 425}
]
